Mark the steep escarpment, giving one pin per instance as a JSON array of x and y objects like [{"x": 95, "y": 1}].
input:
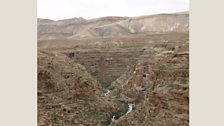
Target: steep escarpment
[
  {"x": 158, "y": 88},
  {"x": 68, "y": 95}
]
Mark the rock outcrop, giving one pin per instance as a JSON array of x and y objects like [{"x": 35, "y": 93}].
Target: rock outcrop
[{"x": 68, "y": 95}]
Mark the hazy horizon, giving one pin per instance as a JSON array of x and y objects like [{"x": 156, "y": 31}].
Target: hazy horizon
[{"x": 66, "y": 9}]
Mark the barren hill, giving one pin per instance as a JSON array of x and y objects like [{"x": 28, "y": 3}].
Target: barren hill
[
  {"x": 113, "y": 26},
  {"x": 67, "y": 28}
]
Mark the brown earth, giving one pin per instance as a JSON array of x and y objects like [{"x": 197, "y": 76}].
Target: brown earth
[
  {"x": 141, "y": 60},
  {"x": 68, "y": 95}
]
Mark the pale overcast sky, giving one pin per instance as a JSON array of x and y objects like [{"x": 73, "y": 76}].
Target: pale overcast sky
[{"x": 63, "y": 9}]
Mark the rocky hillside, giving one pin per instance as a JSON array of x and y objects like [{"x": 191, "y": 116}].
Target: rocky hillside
[
  {"x": 114, "y": 71},
  {"x": 159, "y": 89},
  {"x": 68, "y": 95}
]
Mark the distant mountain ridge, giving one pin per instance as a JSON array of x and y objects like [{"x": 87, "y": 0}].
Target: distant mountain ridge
[{"x": 113, "y": 26}]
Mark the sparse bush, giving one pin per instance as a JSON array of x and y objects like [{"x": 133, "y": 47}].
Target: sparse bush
[
  {"x": 95, "y": 73},
  {"x": 123, "y": 108}
]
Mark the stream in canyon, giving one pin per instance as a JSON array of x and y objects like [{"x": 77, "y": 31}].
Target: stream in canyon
[
  {"x": 107, "y": 93},
  {"x": 130, "y": 108}
]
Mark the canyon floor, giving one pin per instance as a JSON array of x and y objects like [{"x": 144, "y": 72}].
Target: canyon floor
[{"x": 110, "y": 74}]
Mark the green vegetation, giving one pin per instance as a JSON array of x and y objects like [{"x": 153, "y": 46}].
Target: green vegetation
[
  {"x": 93, "y": 113},
  {"x": 120, "y": 124},
  {"x": 106, "y": 122},
  {"x": 95, "y": 73},
  {"x": 168, "y": 46},
  {"x": 105, "y": 85},
  {"x": 55, "y": 120},
  {"x": 173, "y": 86},
  {"x": 123, "y": 108},
  {"x": 111, "y": 87}
]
